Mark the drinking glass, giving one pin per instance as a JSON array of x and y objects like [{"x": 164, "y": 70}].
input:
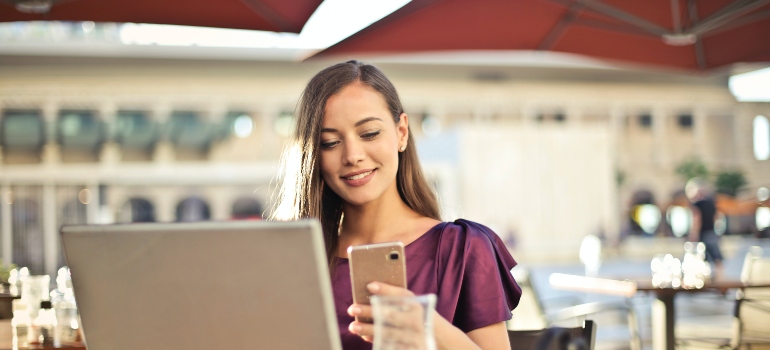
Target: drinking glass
[
  {"x": 403, "y": 322},
  {"x": 35, "y": 289}
]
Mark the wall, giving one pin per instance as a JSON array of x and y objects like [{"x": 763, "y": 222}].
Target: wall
[{"x": 502, "y": 158}]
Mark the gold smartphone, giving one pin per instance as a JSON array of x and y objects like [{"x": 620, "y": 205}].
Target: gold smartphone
[{"x": 380, "y": 262}]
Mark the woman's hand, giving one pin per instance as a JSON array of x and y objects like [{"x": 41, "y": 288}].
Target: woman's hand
[
  {"x": 494, "y": 336},
  {"x": 400, "y": 324}
]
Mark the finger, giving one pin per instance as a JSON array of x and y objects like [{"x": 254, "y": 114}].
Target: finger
[
  {"x": 361, "y": 328},
  {"x": 379, "y": 288},
  {"x": 360, "y": 310}
]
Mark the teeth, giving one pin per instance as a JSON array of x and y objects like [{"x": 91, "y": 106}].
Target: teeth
[{"x": 359, "y": 176}]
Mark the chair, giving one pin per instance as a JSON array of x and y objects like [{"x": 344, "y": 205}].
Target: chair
[
  {"x": 750, "y": 323},
  {"x": 530, "y": 339},
  {"x": 531, "y": 315},
  {"x": 752, "y": 309}
]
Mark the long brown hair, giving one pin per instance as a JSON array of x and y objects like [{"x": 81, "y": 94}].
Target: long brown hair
[{"x": 303, "y": 193}]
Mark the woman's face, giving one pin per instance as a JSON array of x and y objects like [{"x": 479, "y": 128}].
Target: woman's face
[{"x": 360, "y": 144}]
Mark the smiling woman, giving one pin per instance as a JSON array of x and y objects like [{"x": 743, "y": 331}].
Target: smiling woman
[
  {"x": 353, "y": 167},
  {"x": 315, "y": 133},
  {"x": 356, "y": 150}
]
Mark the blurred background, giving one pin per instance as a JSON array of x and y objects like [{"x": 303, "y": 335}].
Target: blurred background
[{"x": 113, "y": 122}]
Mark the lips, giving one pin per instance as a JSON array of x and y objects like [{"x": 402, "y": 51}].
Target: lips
[{"x": 359, "y": 178}]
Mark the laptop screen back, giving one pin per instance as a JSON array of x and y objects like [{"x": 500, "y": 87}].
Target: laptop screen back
[{"x": 211, "y": 285}]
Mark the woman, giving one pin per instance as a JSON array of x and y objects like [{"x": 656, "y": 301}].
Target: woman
[{"x": 354, "y": 168}]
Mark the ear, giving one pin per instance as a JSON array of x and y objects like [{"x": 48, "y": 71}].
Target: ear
[{"x": 403, "y": 130}]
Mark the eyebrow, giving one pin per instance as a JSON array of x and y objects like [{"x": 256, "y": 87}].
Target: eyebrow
[{"x": 358, "y": 123}]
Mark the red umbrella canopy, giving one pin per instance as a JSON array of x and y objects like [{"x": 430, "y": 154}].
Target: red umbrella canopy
[
  {"x": 271, "y": 15},
  {"x": 689, "y": 34}
]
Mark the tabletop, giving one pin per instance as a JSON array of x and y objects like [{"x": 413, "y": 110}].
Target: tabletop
[
  {"x": 629, "y": 287},
  {"x": 6, "y": 340},
  {"x": 719, "y": 285}
]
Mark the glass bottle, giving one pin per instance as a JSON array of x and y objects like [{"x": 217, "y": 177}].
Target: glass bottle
[
  {"x": 43, "y": 325},
  {"x": 20, "y": 324},
  {"x": 14, "y": 282},
  {"x": 65, "y": 308}
]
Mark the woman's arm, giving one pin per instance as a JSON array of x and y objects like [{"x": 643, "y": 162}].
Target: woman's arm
[
  {"x": 448, "y": 336},
  {"x": 494, "y": 336}
]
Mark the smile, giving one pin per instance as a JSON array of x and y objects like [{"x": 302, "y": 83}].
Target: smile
[
  {"x": 359, "y": 179},
  {"x": 359, "y": 176}
]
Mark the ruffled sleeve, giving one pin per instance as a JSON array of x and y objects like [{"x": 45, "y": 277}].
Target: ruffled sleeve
[{"x": 475, "y": 286}]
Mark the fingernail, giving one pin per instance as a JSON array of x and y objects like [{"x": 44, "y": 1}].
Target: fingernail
[
  {"x": 355, "y": 328},
  {"x": 373, "y": 287},
  {"x": 354, "y": 310}
]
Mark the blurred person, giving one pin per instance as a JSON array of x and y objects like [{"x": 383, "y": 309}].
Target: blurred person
[
  {"x": 359, "y": 174},
  {"x": 704, "y": 212},
  {"x": 763, "y": 233}
]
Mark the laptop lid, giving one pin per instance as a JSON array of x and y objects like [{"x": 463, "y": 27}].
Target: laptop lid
[{"x": 208, "y": 285}]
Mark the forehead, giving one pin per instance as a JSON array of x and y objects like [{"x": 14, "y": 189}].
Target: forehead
[{"x": 355, "y": 101}]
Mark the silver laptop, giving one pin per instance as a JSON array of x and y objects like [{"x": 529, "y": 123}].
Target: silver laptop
[{"x": 211, "y": 285}]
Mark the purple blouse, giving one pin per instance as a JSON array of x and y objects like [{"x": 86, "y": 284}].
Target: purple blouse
[{"x": 464, "y": 263}]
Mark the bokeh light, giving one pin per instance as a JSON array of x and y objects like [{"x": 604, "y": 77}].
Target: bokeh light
[
  {"x": 243, "y": 126},
  {"x": 763, "y": 193},
  {"x": 84, "y": 196},
  {"x": 763, "y": 218},
  {"x": 647, "y": 216},
  {"x": 283, "y": 124},
  {"x": 680, "y": 219}
]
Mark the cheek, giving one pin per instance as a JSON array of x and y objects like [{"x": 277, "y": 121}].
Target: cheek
[
  {"x": 390, "y": 150},
  {"x": 386, "y": 149},
  {"x": 327, "y": 168}
]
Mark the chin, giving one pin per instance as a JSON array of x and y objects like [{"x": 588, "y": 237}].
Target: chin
[
  {"x": 359, "y": 198},
  {"x": 357, "y": 201}
]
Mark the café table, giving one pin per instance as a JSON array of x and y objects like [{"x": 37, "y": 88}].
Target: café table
[
  {"x": 6, "y": 340},
  {"x": 663, "y": 308}
]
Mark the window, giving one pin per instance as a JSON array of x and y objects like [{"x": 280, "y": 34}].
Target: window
[
  {"x": 72, "y": 206},
  {"x": 684, "y": 121},
  {"x": 645, "y": 121},
  {"x": 761, "y": 138},
  {"x": 22, "y": 131},
  {"x": 136, "y": 210},
  {"x": 236, "y": 123},
  {"x": 192, "y": 209},
  {"x": 191, "y": 135},
  {"x": 247, "y": 208},
  {"x": 557, "y": 117},
  {"x": 188, "y": 132},
  {"x": 80, "y": 130},
  {"x": 27, "y": 228},
  {"x": 135, "y": 131}
]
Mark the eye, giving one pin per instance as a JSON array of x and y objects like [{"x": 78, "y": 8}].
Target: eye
[
  {"x": 371, "y": 135},
  {"x": 329, "y": 144}
]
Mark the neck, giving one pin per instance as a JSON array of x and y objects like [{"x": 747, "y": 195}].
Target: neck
[{"x": 383, "y": 220}]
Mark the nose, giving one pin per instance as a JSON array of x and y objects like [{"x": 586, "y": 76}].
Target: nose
[{"x": 353, "y": 153}]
